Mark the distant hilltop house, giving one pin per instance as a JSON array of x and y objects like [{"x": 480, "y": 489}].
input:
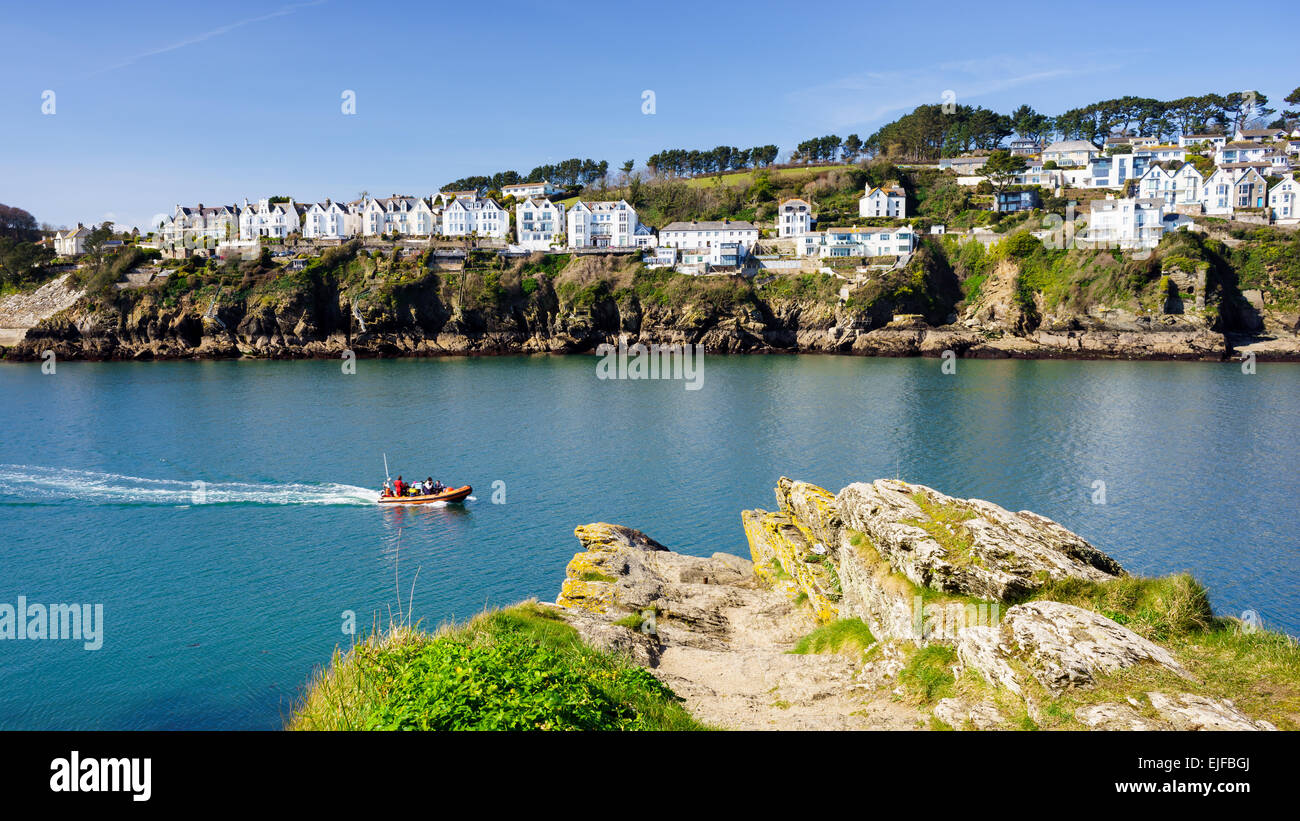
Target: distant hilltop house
[
  {"x": 963, "y": 165},
  {"x": 890, "y": 201},
  {"x": 1024, "y": 147},
  {"x": 793, "y": 218},
  {"x": 472, "y": 215},
  {"x": 71, "y": 242},
  {"x": 1260, "y": 135},
  {"x": 858, "y": 242},
  {"x": 601, "y": 225},
  {"x": 539, "y": 223},
  {"x": 715, "y": 243},
  {"x": 1214, "y": 141},
  {"x": 1070, "y": 152},
  {"x": 525, "y": 190}
]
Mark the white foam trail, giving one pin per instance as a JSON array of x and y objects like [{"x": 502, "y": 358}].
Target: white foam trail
[{"x": 30, "y": 483}]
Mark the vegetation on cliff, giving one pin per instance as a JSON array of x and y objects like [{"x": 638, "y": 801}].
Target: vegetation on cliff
[{"x": 522, "y": 668}]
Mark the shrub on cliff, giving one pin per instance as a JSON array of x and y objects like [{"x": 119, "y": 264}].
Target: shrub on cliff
[{"x": 523, "y": 668}]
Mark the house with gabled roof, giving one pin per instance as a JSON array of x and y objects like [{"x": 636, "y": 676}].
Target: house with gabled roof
[
  {"x": 71, "y": 242},
  {"x": 793, "y": 218},
  {"x": 326, "y": 220},
  {"x": 1284, "y": 200},
  {"x": 1260, "y": 135},
  {"x": 601, "y": 225},
  {"x": 474, "y": 216},
  {"x": 524, "y": 190},
  {"x": 1070, "y": 152},
  {"x": 886, "y": 201},
  {"x": 539, "y": 223},
  {"x": 276, "y": 220}
]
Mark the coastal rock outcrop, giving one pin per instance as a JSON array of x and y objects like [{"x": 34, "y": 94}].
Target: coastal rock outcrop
[
  {"x": 1060, "y": 645},
  {"x": 712, "y": 631}
]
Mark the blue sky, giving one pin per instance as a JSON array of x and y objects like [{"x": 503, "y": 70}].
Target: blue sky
[{"x": 164, "y": 103}]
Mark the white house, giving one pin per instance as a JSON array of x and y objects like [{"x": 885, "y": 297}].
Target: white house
[
  {"x": 883, "y": 202},
  {"x": 793, "y": 218},
  {"x": 717, "y": 242},
  {"x": 858, "y": 242},
  {"x": 399, "y": 214},
  {"x": 645, "y": 237},
  {"x": 601, "y": 225},
  {"x": 1259, "y": 135},
  {"x": 1228, "y": 189},
  {"x": 326, "y": 220},
  {"x": 1182, "y": 188},
  {"x": 1242, "y": 151},
  {"x": 525, "y": 190},
  {"x": 475, "y": 216},
  {"x": 71, "y": 242},
  {"x": 963, "y": 165},
  {"x": 1129, "y": 222},
  {"x": 539, "y": 223},
  {"x": 1211, "y": 141},
  {"x": 1070, "y": 152},
  {"x": 1284, "y": 200},
  {"x": 268, "y": 219},
  {"x": 199, "y": 225}
]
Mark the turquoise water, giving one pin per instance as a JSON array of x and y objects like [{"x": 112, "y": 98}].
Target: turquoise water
[{"x": 217, "y": 606}]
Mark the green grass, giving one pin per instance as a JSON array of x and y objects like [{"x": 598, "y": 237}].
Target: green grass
[
  {"x": 927, "y": 676},
  {"x": 848, "y": 636},
  {"x": 632, "y": 621},
  {"x": 1159, "y": 609},
  {"x": 522, "y": 668},
  {"x": 593, "y": 576}
]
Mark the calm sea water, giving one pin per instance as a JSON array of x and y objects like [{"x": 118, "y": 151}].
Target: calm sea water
[{"x": 216, "y": 612}]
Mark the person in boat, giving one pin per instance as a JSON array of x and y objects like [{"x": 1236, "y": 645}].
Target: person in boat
[
  {"x": 438, "y": 487},
  {"x": 398, "y": 486},
  {"x": 386, "y": 490},
  {"x": 428, "y": 486}
]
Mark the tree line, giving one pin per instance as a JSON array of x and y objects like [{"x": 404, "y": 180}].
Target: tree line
[
  {"x": 573, "y": 172},
  {"x": 679, "y": 162}
]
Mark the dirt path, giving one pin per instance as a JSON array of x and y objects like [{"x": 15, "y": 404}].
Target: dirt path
[{"x": 754, "y": 684}]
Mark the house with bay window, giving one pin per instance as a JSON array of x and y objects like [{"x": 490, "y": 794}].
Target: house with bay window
[
  {"x": 601, "y": 225},
  {"x": 539, "y": 223}
]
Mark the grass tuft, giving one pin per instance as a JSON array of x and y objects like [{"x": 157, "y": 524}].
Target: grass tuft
[{"x": 849, "y": 636}]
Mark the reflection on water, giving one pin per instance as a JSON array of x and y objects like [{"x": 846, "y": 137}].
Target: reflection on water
[{"x": 217, "y": 611}]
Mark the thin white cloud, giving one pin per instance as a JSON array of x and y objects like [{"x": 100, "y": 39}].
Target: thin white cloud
[
  {"x": 871, "y": 97},
  {"x": 208, "y": 35}
]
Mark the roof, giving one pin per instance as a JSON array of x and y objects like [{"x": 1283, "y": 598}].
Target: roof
[
  {"x": 1261, "y": 132},
  {"x": 1071, "y": 145},
  {"x": 710, "y": 225}
]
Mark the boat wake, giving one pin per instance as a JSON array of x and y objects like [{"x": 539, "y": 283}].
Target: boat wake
[{"x": 27, "y": 484}]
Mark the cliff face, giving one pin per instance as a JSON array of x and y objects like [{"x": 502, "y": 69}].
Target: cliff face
[
  {"x": 974, "y": 617},
  {"x": 416, "y": 311}
]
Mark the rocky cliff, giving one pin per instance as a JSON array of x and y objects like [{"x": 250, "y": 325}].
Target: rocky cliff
[
  {"x": 376, "y": 306},
  {"x": 966, "y": 615}
]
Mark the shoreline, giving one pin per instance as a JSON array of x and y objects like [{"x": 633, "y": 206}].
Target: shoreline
[{"x": 1031, "y": 352}]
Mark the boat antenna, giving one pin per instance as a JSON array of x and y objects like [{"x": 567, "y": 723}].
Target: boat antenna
[{"x": 386, "y": 476}]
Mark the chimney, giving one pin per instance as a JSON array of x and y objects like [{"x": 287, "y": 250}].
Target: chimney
[{"x": 200, "y": 206}]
